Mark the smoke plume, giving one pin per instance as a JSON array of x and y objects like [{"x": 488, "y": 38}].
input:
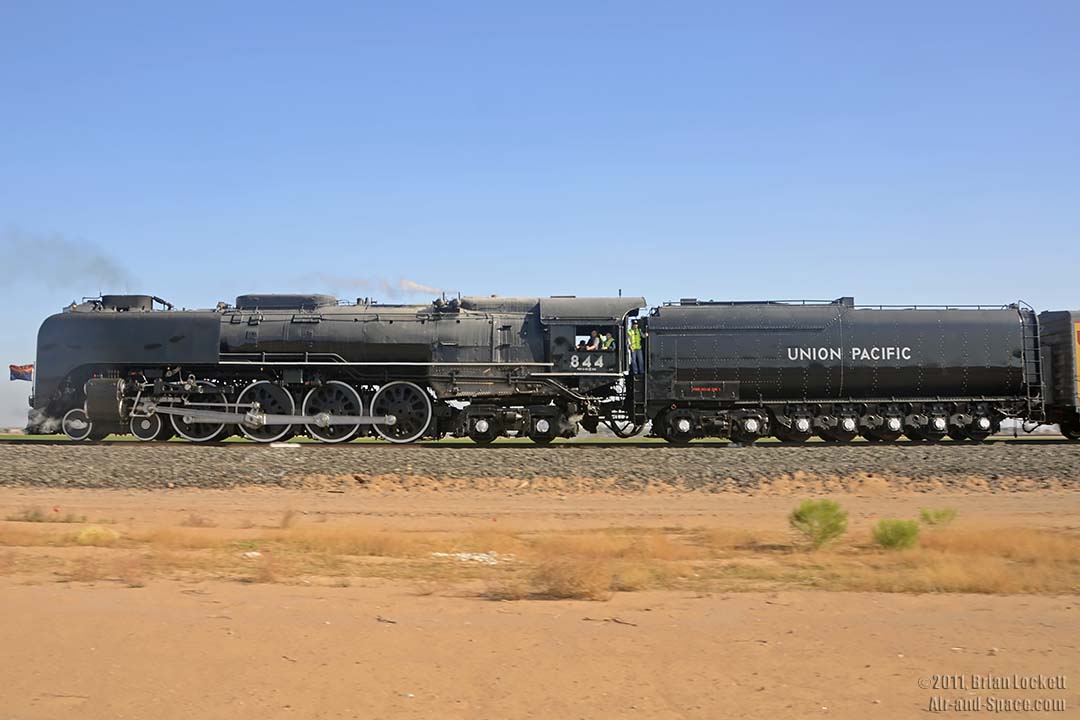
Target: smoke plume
[
  {"x": 54, "y": 261},
  {"x": 391, "y": 289}
]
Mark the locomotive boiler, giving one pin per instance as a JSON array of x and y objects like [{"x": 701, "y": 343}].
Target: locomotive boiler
[{"x": 273, "y": 365}]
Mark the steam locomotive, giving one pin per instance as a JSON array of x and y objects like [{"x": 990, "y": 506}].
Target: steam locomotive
[{"x": 272, "y": 366}]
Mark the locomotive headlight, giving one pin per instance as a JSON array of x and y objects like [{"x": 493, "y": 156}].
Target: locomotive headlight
[
  {"x": 848, "y": 424},
  {"x": 893, "y": 424},
  {"x": 983, "y": 423},
  {"x": 802, "y": 425},
  {"x": 938, "y": 423},
  {"x": 751, "y": 425},
  {"x": 482, "y": 426},
  {"x": 542, "y": 426}
]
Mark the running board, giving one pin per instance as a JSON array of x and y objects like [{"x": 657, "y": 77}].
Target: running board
[{"x": 254, "y": 418}]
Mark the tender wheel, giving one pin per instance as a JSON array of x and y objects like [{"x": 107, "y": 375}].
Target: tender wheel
[
  {"x": 411, "y": 407},
  {"x": 933, "y": 431},
  {"x": 483, "y": 431},
  {"x": 889, "y": 431},
  {"x": 273, "y": 400},
  {"x": 77, "y": 425},
  {"x": 209, "y": 398},
  {"x": 150, "y": 428},
  {"x": 844, "y": 431},
  {"x": 801, "y": 430},
  {"x": 334, "y": 398}
]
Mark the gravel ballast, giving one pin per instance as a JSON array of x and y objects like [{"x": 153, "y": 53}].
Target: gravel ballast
[{"x": 985, "y": 467}]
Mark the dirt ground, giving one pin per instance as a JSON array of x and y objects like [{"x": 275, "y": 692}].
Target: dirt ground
[{"x": 424, "y": 639}]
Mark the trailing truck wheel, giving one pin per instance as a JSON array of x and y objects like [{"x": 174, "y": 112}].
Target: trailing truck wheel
[
  {"x": 411, "y": 407},
  {"x": 482, "y": 431},
  {"x": 678, "y": 430},
  {"x": 332, "y": 398},
  {"x": 1071, "y": 430},
  {"x": 543, "y": 431},
  {"x": 76, "y": 425}
]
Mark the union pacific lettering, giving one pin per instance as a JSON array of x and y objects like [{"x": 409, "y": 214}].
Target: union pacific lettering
[{"x": 821, "y": 354}]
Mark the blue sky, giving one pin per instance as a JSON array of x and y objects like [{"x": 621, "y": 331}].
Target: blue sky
[{"x": 899, "y": 152}]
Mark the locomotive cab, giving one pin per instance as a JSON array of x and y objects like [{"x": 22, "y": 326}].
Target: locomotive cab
[{"x": 571, "y": 322}]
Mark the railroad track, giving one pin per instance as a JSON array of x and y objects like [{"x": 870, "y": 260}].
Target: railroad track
[{"x": 556, "y": 446}]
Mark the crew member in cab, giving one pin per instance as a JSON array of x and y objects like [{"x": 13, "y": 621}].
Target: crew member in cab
[
  {"x": 637, "y": 356},
  {"x": 594, "y": 341},
  {"x": 608, "y": 342}
]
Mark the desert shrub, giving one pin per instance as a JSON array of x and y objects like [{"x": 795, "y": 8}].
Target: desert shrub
[
  {"x": 819, "y": 521},
  {"x": 87, "y": 569},
  {"x": 896, "y": 534},
  {"x": 937, "y": 517},
  {"x": 97, "y": 536},
  {"x": 37, "y": 515},
  {"x": 197, "y": 521},
  {"x": 288, "y": 519},
  {"x": 573, "y": 579}
]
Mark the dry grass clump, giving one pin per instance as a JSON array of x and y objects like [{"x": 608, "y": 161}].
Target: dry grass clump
[
  {"x": 927, "y": 571},
  {"x": 724, "y": 539},
  {"x": 97, "y": 536},
  {"x": 131, "y": 570},
  {"x": 1021, "y": 544},
  {"x": 651, "y": 545},
  {"x": 175, "y": 538},
  {"x": 353, "y": 541},
  {"x": 7, "y": 562},
  {"x": 89, "y": 568},
  {"x": 264, "y": 570},
  {"x": 489, "y": 540},
  {"x": 14, "y": 536},
  {"x": 197, "y": 521},
  {"x": 633, "y": 578},
  {"x": 572, "y": 579},
  {"x": 37, "y": 515},
  {"x": 512, "y": 589},
  {"x": 288, "y": 519},
  {"x": 937, "y": 517}
]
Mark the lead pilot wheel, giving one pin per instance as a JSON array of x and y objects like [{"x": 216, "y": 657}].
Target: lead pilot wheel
[
  {"x": 411, "y": 407},
  {"x": 77, "y": 425},
  {"x": 150, "y": 428}
]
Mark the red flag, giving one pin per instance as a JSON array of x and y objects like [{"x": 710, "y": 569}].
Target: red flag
[{"x": 22, "y": 372}]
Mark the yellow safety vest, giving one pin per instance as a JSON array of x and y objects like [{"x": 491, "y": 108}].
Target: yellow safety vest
[
  {"x": 635, "y": 338},
  {"x": 608, "y": 344}
]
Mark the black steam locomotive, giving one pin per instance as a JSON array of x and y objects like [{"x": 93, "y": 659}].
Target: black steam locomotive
[{"x": 272, "y": 366}]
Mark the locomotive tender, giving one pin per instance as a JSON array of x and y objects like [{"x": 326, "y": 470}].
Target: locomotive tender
[{"x": 272, "y": 366}]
